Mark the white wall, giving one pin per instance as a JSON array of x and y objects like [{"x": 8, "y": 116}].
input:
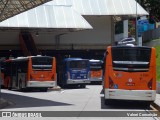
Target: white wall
[{"x": 97, "y": 38}]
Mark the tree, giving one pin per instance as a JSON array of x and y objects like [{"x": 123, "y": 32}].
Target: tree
[{"x": 152, "y": 6}]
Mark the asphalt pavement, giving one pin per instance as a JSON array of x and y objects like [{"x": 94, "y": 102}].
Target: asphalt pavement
[{"x": 4, "y": 103}]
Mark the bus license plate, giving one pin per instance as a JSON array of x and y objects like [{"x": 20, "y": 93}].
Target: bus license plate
[{"x": 130, "y": 84}]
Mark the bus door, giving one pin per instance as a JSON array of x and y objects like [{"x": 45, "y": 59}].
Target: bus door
[
  {"x": 2, "y": 75},
  {"x": 22, "y": 70}
]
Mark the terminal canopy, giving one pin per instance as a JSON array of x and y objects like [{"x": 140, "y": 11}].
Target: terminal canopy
[
  {"x": 9, "y": 8},
  {"x": 104, "y": 7},
  {"x": 48, "y": 17}
]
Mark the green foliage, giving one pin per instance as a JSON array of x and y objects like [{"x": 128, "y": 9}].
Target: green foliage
[
  {"x": 152, "y": 6},
  {"x": 158, "y": 62}
]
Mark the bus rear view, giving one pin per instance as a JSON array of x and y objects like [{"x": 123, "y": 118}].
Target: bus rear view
[
  {"x": 30, "y": 72},
  {"x": 96, "y": 70},
  {"x": 75, "y": 72},
  {"x": 130, "y": 74}
]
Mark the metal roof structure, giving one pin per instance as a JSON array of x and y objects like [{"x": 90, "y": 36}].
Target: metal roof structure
[
  {"x": 103, "y": 7},
  {"x": 9, "y": 8},
  {"x": 67, "y": 13},
  {"x": 48, "y": 16}
]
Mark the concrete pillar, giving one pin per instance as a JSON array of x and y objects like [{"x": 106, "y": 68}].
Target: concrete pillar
[
  {"x": 125, "y": 28},
  {"x": 112, "y": 31}
]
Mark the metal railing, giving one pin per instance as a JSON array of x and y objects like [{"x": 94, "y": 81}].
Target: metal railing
[{"x": 151, "y": 35}]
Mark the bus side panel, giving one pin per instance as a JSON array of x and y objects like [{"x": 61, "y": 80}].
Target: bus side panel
[
  {"x": 153, "y": 64},
  {"x": 108, "y": 63},
  {"x": 2, "y": 79},
  {"x": 29, "y": 69},
  {"x": 54, "y": 69},
  {"x": 22, "y": 70}
]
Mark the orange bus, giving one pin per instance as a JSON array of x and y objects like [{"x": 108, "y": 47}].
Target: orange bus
[
  {"x": 130, "y": 74},
  {"x": 30, "y": 72},
  {"x": 96, "y": 70}
]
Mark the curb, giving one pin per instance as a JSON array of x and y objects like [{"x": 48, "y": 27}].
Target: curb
[
  {"x": 156, "y": 106},
  {"x": 57, "y": 88},
  {"x": 158, "y": 87}
]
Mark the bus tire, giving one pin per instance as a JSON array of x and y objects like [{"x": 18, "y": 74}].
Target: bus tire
[
  {"x": 43, "y": 89},
  {"x": 20, "y": 86},
  {"x": 83, "y": 86},
  {"x": 107, "y": 102},
  {"x": 9, "y": 86},
  {"x": 2, "y": 87},
  {"x": 147, "y": 104}
]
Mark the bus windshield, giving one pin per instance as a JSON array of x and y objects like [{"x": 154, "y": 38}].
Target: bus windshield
[
  {"x": 78, "y": 64},
  {"x": 131, "y": 57},
  {"x": 42, "y": 63}
]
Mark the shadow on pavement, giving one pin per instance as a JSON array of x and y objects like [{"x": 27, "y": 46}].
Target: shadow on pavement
[
  {"x": 20, "y": 101},
  {"x": 124, "y": 105}
]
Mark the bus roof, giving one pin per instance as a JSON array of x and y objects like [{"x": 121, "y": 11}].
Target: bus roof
[
  {"x": 93, "y": 60},
  {"x": 73, "y": 59},
  {"x": 130, "y": 46},
  {"x": 23, "y": 58}
]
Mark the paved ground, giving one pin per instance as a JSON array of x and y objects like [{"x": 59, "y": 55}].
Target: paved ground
[
  {"x": 81, "y": 100},
  {"x": 156, "y": 103}
]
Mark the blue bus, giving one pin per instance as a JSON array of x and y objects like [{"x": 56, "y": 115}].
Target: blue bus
[{"x": 74, "y": 72}]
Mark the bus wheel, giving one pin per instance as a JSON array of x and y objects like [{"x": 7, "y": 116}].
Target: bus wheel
[
  {"x": 20, "y": 87},
  {"x": 43, "y": 89},
  {"x": 83, "y": 86},
  {"x": 107, "y": 102},
  {"x": 9, "y": 86},
  {"x": 2, "y": 87},
  {"x": 147, "y": 104}
]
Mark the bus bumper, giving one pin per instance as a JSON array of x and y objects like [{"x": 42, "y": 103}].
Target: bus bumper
[
  {"x": 139, "y": 95},
  {"x": 41, "y": 83},
  {"x": 83, "y": 81},
  {"x": 96, "y": 79}
]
